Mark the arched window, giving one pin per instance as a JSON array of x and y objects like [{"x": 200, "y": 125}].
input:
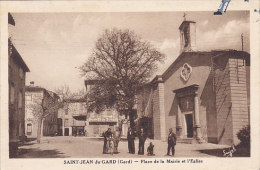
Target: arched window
[{"x": 186, "y": 37}]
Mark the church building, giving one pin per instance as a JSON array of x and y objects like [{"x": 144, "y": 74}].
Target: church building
[{"x": 204, "y": 96}]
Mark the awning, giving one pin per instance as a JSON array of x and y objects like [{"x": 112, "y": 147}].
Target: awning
[{"x": 80, "y": 117}]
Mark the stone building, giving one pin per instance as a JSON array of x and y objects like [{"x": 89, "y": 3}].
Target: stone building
[
  {"x": 72, "y": 118},
  {"x": 98, "y": 123},
  {"x": 36, "y": 96},
  {"x": 203, "y": 95},
  {"x": 16, "y": 80},
  {"x": 76, "y": 121}
]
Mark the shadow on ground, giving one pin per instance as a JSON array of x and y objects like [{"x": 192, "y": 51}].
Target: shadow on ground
[
  {"x": 38, "y": 153},
  {"x": 30, "y": 139},
  {"x": 27, "y": 144},
  {"x": 240, "y": 152}
]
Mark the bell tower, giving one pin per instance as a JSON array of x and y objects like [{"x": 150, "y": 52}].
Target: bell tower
[{"x": 187, "y": 35}]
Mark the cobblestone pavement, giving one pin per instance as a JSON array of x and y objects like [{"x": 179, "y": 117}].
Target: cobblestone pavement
[{"x": 83, "y": 147}]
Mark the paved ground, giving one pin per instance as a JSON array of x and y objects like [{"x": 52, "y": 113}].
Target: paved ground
[{"x": 82, "y": 147}]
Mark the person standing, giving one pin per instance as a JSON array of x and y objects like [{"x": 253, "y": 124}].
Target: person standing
[
  {"x": 142, "y": 138},
  {"x": 171, "y": 142},
  {"x": 107, "y": 135},
  {"x": 117, "y": 137},
  {"x": 131, "y": 141}
]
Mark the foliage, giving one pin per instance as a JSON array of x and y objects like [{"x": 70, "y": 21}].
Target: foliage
[
  {"x": 43, "y": 105},
  {"x": 121, "y": 63},
  {"x": 244, "y": 136}
]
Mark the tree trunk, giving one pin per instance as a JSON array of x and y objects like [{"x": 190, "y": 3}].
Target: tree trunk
[
  {"x": 131, "y": 118},
  {"x": 39, "y": 130}
]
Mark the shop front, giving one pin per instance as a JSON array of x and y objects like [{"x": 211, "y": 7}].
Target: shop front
[{"x": 78, "y": 131}]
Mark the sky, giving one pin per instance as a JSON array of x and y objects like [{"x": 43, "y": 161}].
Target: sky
[{"x": 54, "y": 45}]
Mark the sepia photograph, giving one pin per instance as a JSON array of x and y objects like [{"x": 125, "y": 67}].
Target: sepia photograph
[{"x": 129, "y": 84}]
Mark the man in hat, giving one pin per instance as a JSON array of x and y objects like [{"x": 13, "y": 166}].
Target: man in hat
[
  {"x": 142, "y": 138},
  {"x": 171, "y": 142},
  {"x": 131, "y": 141}
]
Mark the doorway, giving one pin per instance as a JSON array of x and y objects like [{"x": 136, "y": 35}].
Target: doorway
[
  {"x": 78, "y": 131},
  {"x": 189, "y": 124},
  {"x": 66, "y": 132}
]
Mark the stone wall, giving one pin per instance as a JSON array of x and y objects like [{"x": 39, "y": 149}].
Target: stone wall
[
  {"x": 223, "y": 100},
  {"x": 16, "y": 114},
  {"x": 238, "y": 86},
  {"x": 156, "y": 114},
  {"x": 232, "y": 88}
]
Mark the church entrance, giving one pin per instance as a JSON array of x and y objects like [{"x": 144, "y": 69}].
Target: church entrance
[
  {"x": 189, "y": 125},
  {"x": 186, "y": 104},
  {"x": 187, "y": 122}
]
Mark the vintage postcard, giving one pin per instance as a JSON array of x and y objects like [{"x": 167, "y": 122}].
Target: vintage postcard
[{"x": 127, "y": 84}]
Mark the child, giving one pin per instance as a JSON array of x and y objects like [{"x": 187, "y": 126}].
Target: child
[{"x": 150, "y": 149}]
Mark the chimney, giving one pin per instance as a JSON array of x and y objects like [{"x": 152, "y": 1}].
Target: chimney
[
  {"x": 188, "y": 36},
  {"x": 32, "y": 83}
]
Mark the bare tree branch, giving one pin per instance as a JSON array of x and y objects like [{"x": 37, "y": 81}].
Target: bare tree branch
[{"x": 123, "y": 63}]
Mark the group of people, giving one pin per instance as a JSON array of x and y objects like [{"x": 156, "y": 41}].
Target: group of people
[
  {"x": 131, "y": 138},
  {"x": 111, "y": 140}
]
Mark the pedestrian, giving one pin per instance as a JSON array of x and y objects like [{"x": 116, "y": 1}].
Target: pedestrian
[
  {"x": 150, "y": 149},
  {"x": 117, "y": 137},
  {"x": 107, "y": 135},
  {"x": 131, "y": 141},
  {"x": 171, "y": 142},
  {"x": 142, "y": 138}
]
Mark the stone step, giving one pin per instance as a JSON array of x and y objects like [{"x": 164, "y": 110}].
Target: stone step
[{"x": 186, "y": 140}]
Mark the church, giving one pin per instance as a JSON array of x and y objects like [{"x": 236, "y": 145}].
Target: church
[{"x": 204, "y": 96}]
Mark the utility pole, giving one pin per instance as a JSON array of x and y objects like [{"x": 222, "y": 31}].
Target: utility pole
[
  {"x": 242, "y": 39},
  {"x": 184, "y": 16}
]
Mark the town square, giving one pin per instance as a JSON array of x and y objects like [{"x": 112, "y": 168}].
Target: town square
[{"x": 129, "y": 85}]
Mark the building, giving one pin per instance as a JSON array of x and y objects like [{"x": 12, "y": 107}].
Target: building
[
  {"x": 16, "y": 79},
  {"x": 72, "y": 117},
  {"x": 35, "y": 99},
  {"x": 98, "y": 123},
  {"x": 203, "y": 95},
  {"x": 75, "y": 119}
]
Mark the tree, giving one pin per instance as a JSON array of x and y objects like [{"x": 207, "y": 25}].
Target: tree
[
  {"x": 64, "y": 93},
  {"x": 121, "y": 63},
  {"x": 49, "y": 103},
  {"x": 41, "y": 107}
]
